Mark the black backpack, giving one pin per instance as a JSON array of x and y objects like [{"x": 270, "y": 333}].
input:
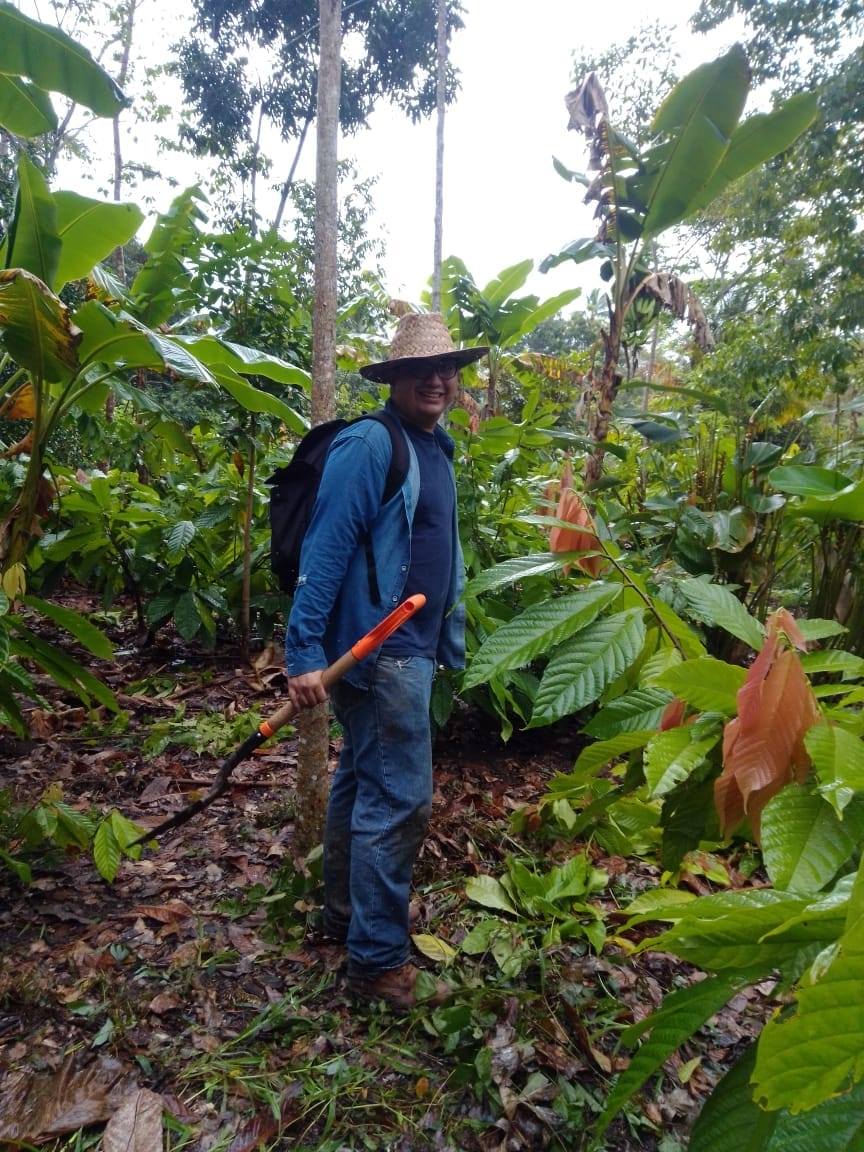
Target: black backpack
[{"x": 294, "y": 488}]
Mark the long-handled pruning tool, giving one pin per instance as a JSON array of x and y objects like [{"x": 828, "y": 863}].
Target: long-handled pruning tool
[{"x": 280, "y": 718}]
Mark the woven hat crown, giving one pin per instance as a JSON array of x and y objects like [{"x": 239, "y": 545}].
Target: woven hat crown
[{"x": 420, "y": 336}]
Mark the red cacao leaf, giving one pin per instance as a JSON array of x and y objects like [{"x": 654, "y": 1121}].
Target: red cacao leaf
[
  {"x": 571, "y": 508},
  {"x": 763, "y": 747},
  {"x": 673, "y": 714}
]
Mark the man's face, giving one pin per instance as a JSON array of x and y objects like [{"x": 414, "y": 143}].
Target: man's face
[{"x": 421, "y": 392}]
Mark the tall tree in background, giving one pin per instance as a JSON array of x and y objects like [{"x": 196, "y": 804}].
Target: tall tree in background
[
  {"x": 314, "y": 727},
  {"x": 441, "y": 86},
  {"x": 247, "y": 63}
]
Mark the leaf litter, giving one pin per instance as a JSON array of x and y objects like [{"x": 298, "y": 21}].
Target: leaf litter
[{"x": 184, "y": 1007}]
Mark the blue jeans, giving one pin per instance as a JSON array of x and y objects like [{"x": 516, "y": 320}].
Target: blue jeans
[{"x": 379, "y": 807}]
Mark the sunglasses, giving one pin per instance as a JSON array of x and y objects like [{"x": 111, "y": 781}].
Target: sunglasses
[{"x": 425, "y": 370}]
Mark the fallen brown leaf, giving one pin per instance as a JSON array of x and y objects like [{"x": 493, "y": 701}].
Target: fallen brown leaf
[
  {"x": 35, "y": 1106},
  {"x": 136, "y": 1126}
]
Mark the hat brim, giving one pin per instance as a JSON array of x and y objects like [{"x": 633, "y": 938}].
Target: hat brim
[{"x": 385, "y": 370}]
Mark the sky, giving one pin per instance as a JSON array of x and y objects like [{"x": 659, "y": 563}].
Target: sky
[{"x": 503, "y": 201}]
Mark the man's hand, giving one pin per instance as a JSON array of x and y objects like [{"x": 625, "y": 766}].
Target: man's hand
[{"x": 307, "y": 690}]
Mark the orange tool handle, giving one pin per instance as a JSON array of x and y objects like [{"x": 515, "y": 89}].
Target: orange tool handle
[
  {"x": 388, "y": 625},
  {"x": 347, "y": 660}
]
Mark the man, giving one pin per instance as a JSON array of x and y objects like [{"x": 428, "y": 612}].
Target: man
[{"x": 381, "y": 795}]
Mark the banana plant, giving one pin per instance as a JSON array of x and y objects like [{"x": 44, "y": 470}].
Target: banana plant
[
  {"x": 36, "y": 59},
  {"x": 699, "y": 146}
]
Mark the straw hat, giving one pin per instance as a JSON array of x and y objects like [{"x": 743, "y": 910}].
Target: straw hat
[{"x": 420, "y": 336}]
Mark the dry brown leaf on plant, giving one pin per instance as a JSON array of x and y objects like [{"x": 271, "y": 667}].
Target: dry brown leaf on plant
[
  {"x": 21, "y": 405},
  {"x": 763, "y": 747}
]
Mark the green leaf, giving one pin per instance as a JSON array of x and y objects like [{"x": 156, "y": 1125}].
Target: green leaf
[
  {"x": 838, "y": 760},
  {"x": 820, "y": 629},
  {"x": 21, "y": 870},
  {"x": 157, "y": 287},
  {"x": 803, "y": 841},
  {"x": 106, "y": 851},
  {"x": 67, "y": 672},
  {"x": 72, "y": 827},
  {"x": 671, "y": 757},
  {"x": 544, "y": 311},
  {"x": 506, "y": 283},
  {"x": 715, "y": 605},
  {"x": 180, "y": 536},
  {"x": 517, "y": 568},
  {"x": 212, "y": 351},
  {"x": 55, "y": 62},
  {"x": 481, "y": 935},
  {"x": 601, "y": 753},
  {"x": 808, "y": 480},
  {"x": 93, "y": 639},
  {"x": 688, "y": 817},
  {"x": 489, "y": 892},
  {"x": 731, "y": 1120},
  {"x": 666, "y": 901},
  {"x": 846, "y": 505},
  {"x": 696, "y": 122},
  {"x": 758, "y": 139},
  {"x": 126, "y": 833},
  {"x": 806, "y": 1059},
  {"x": 579, "y": 251},
  {"x": 254, "y": 400},
  {"x": 90, "y": 230},
  {"x": 33, "y": 243},
  {"x": 682, "y": 1014},
  {"x": 568, "y": 174},
  {"x": 832, "y": 660},
  {"x": 186, "y": 616},
  {"x": 691, "y": 646},
  {"x": 121, "y": 341},
  {"x": 537, "y": 630},
  {"x": 25, "y": 110},
  {"x": 835, "y": 1125},
  {"x": 730, "y": 930},
  {"x": 637, "y": 711},
  {"x": 707, "y": 684},
  {"x": 584, "y": 667}
]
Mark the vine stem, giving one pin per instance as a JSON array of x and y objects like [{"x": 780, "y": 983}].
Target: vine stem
[{"x": 631, "y": 583}]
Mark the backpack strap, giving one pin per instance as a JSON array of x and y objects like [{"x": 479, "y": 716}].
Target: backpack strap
[{"x": 396, "y": 475}]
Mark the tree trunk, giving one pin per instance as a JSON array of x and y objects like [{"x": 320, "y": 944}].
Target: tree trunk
[
  {"x": 605, "y": 392},
  {"x": 439, "y": 156},
  {"x": 126, "y": 40},
  {"x": 289, "y": 179},
  {"x": 246, "y": 593},
  {"x": 312, "y": 726}
]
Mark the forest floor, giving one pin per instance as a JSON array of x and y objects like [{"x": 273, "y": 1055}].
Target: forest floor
[{"x": 188, "y": 994}]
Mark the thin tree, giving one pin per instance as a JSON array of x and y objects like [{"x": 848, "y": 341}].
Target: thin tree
[
  {"x": 441, "y": 95},
  {"x": 313, "y": 727}
]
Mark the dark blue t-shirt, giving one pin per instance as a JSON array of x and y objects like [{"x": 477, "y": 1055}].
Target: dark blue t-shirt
[{"x": 431, "y": 549}]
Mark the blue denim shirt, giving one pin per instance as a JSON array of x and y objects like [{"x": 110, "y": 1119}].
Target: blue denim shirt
[{"x": 332, "y": 605}]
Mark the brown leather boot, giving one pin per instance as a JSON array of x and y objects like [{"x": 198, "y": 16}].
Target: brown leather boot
[{"x": 398, "y": 988}]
